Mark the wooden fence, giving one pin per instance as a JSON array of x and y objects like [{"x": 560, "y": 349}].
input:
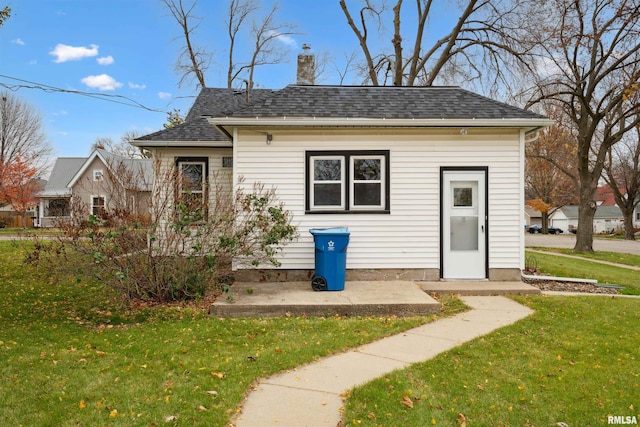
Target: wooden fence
[{"x": 14, "y": 220}]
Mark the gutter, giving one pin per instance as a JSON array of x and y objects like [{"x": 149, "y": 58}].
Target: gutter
[
  {"x": 527, "y": 124},
  {"x": 186, "y": 144}
]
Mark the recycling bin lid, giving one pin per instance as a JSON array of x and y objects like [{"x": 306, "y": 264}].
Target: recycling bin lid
[{"x": 329, "y": 231}]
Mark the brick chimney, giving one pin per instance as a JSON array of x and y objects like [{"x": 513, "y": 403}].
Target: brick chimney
[{"x": 306, "y": 67}]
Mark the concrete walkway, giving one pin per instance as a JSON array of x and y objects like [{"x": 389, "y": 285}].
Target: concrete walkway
[{"x": 311, "y": 395}]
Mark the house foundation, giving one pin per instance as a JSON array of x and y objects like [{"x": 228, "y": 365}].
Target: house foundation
[{"x": 382, "y": 274}]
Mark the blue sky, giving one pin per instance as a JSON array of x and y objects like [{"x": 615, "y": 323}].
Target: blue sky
[{"x": 128, "y": 48}]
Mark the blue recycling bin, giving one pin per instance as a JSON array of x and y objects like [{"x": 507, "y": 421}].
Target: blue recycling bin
[{"x": 330, "y": 258}]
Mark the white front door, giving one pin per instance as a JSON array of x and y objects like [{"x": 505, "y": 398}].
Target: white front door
[{"x": 464, "y": 222}]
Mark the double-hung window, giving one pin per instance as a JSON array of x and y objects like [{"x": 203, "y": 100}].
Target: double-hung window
[
  {"x": 98, "y": 206},
  {"x": 192, "y": 181},
  {"x": 343, "y": 181}
]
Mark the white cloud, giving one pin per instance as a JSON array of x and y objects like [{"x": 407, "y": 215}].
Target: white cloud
[
  {"x": 105, "y": 60},
  {"x": 164, "y": 95},
  {"x": 63, "y": 133},
  {"x": 283, "y": 38},
  {"x": 18, "y": 41},
  {"x": 32, "y": 62},
  {"x": 136, "y": 86},
  {"x": 101, "y": 82},
  {"x": 64, "y": 53},
  {"x": 60, "y": 113}
]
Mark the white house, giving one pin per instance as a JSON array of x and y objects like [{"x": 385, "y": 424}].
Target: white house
[
  {"x": 429, "y": 180},
  {"x": 608, "y": 219}
]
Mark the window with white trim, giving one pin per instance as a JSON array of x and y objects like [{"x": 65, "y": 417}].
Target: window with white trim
[
  {"x": 192, "y": 181},
  {"x": 98, "y": 205},
  {"x": 98, "y": 175},
  {"x": 343, "y": 181}
]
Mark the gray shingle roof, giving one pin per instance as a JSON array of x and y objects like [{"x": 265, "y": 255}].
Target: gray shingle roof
[
  {"x": 378, "y": 102},
  {"x": 602, "y": 212},
  {"x": 210, "y": 102},
  {"x": 63, "y": 170},
  {"x": 375, "y": 102}
]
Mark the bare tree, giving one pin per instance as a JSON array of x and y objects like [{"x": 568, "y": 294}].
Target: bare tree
[
  {"x": 239, "y": 12},
  {"x": 622, "y": 174},
  {"x": 193, "y": 62},
  {"x": 122, "y": 148},
  {"x": 21, "y": 135},
  {"x": 483, "y": 38},
  {"x": 265, "y": 35},
  {"x": 590, "y": 50}
]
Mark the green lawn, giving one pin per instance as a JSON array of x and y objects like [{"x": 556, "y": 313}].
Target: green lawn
[
  {"x": 574, "y": 361},
  {"x": 617, "y": 257},
  {"x": 71, "y": 354},
  {"x": 569, "y": 267}
]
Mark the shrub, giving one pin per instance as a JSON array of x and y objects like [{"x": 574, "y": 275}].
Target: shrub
[{"x": 186, "y": 250}]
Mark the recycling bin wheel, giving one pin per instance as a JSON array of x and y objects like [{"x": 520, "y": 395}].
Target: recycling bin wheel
[{"x": 319, "y": 283}]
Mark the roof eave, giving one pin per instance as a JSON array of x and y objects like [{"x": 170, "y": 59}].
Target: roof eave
[
  {"x": 526, "y": 124},
  {"x": 183, "y": 143}
]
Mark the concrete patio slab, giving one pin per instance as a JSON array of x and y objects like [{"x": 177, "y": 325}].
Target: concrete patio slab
[
  {"x": 359, "y": 298},
  {"x": 475, "y": 287}
]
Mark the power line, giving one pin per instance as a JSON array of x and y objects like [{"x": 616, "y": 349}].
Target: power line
[{"x": 117, "y": 99}]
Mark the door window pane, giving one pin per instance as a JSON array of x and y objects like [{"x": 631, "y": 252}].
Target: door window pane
[
  {"x": 464, "y": 233},
  {"x": 463, "y": 197}
]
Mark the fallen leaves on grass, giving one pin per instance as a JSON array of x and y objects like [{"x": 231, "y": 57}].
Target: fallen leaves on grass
[{"x": 406, "y": 401}]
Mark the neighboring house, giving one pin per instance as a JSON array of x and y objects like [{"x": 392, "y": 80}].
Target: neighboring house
[
  {"x": 429, "y": 180},
  {"x": 608, "y": 219},
  {"x": 532, "y": 216},
  {"x": 605, "y": 197},
  {"x": 101, "y": 182}
]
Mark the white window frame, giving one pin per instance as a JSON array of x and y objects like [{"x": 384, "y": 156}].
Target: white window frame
[
  {"x": 93, "y": 205},
  {"x": 313, "y": 182},
  {"x": 98, "y": 175},
  {"x": 353, "y": 182},
  {"x": 203, "y": 189}
]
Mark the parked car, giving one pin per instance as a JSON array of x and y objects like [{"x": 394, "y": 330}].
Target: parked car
[
  {"x": 572, "y": 229},
  {"x": 538, "y": 229}
]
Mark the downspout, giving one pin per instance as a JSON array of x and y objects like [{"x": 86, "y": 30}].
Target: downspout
[
  {"x": 521, "y": 168},
  {"x": 234, "y": 163}
]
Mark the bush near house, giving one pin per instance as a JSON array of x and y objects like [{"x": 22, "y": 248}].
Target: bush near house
[{"x": 184, "y": 253}]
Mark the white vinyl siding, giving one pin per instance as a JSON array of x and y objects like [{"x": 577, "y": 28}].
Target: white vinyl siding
[
  {"x": 219, "y": 178},
  {"x": 409, "y": 236}
]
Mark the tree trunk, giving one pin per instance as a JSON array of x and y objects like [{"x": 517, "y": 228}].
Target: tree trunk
[
  {"x": 544, "y": 223},
  {"x": 586, "y": 213},
  {"x": 629, "y": 232}
]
